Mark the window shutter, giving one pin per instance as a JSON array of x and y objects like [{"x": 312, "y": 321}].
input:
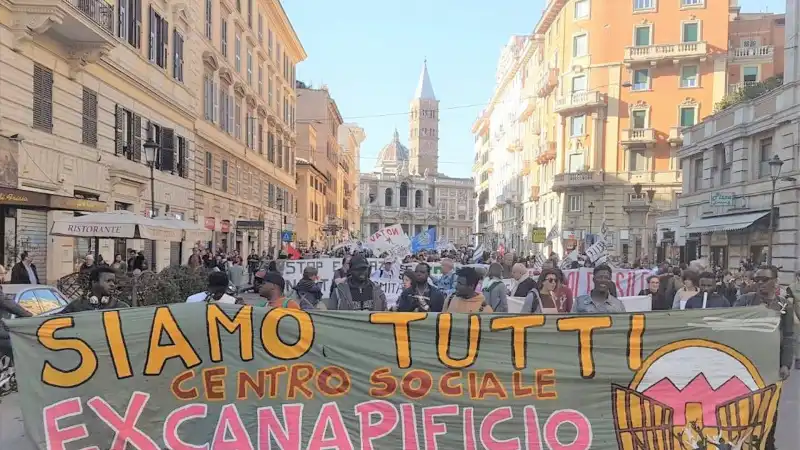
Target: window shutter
[
  {"x": 151, "y": 47},
  {"x": 89, "y": 118},
  {"x": 122, "y": 22},
  {"x": 215, "y": 100},
  {"x": 183, "y": 151},
  {"x": 164, "y": 43},
  {"x": 167, "y": 153},
  {"x": 137, "y": 138},
  {"x": 230, "y": 114},
  {"x": 119, "y": 127},
  {"x": 42, "y": 98}
]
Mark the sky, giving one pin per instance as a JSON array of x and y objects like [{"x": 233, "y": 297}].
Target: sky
[{"x": 370, "y": 54}]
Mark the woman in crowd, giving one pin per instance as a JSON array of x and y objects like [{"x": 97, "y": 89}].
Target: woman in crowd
[
  {"x": 494, "y": 291},
  {"x": 689, "y": 289},
  {"x": 658, "y": 301}
]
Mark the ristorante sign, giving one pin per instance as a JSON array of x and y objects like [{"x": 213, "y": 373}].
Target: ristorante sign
[{"x": 100, "y": 230}]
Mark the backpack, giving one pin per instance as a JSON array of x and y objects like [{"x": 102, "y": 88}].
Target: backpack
[{"x": 450, "y": 297}]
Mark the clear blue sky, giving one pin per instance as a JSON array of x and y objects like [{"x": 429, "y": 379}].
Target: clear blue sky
[{"x": 370, "y": 53}]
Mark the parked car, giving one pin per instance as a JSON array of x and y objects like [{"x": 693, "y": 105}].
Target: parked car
[{"x": 35, "y": 298}]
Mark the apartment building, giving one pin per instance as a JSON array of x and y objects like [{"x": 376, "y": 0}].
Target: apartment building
[
  {"x": 82, "y": 86},
  {"x": 740, "y": 171},
  {"x": 755, "y": 48},
  {"x": 311, "y": 194},
  {"x": 350, "y": 138},
  {"x": 317, "y": 108},
  {"x": 246, "y": 134}
]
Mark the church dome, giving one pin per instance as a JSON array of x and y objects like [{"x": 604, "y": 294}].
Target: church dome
[{"x": 393, "y": 153}]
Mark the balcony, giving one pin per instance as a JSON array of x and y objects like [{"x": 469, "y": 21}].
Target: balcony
[
  {"x": 527, "y": 165},
  {"x": 530, "y": 106},
  {"x": 548, "y": 154},
  {"x": 548, "y": 82},
  {"x": 742, "y": 54},
  {"x": 86, "y": 27},
  {"x": 577, "y": 180},
  {"x": 736, "y": 87},
  {"x": 665, "y": 52},
  {"x": 638, "y": 136},
  {"x": 579, "y": 100},
  {"x": 675, "y": 136},
  {"x": 514, "y": 146},
  {"x": 489, "y": 167},
  {"x": 534, "y": 197}
]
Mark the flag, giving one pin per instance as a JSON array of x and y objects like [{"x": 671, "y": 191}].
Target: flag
[
  {"x": 477, "y": 254},
  {"x": 553, "y": 234},
  {"x": 426, "y": 240}
]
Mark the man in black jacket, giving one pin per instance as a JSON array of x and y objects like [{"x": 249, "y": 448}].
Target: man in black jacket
[
  {"x": 24, "y": 272},
  {"x": 307, "y": 290},
  {"x": 102, "y": 280},
  {"x": 421, "y": 296}
]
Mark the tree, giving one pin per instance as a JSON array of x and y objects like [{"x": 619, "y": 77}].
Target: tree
[{"x": 747, "y": 93}]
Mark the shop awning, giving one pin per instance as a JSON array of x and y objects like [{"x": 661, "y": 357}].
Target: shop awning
[{"x": 733, "y": 222}]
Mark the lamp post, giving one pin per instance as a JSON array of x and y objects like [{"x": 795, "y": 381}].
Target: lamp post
[
  {"x": 151, "y": 155},
  {"x": 775, "y": 165},
  {"x": 591, "y": 214},
  {"x": 279, "y": 201}
]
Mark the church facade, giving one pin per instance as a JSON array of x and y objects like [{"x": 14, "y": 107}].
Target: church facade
[{"x": 406, "y": 186}]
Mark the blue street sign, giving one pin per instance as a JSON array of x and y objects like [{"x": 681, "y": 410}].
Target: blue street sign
[{"x": 286, "y": 236}]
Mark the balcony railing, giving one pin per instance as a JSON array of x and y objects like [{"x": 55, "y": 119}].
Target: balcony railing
[
  {"x": 751, "y": 53},
  {"x": 534, "y": 193},
  {"x": 98, "y": 11},
  {"x": 651, "y": 53},
  {"x": 676, "y": 136},
  {"x": 638, "y": 136},
  {"x": 526, "y": 166},
  {"x": 578, "y": 100},
  {"x": 577, "y": 180},
  {"x": 548, "y": 82},
  {"x": 736, "y": 87}
]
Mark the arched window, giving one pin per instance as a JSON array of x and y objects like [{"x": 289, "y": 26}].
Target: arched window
[
  {"x": 387, "y": 199},
  {"x": 418, "y": 199},
  {"x": 403, "y": 195}
]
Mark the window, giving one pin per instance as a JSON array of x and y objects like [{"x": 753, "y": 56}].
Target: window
[
  {"x": 269, "y": 43},
  {"x": 261, "y": 79},
  {"x": 576, "y": 162},
  {"x": 271, "y": 147},
  {"x": 159, "y": 41},
  {"x": 224, "y": 183},
  {"x": 579, "y": 84},
  {"x": 403, "y": 195},
  {"x": 697, "y": 173},
  {"x": 129, "y": 28},
  {"x": 688, "y": 116},
  {"x": 580, "y": 45},
  {"x": 177, "y": 60},
  {"x": 722, "y": 161},
  {"x": 238, "y": 52},
  {"x": 209, "y": 98},
  {"x": 577, "y": 126},
  {"x": 250, "y": 130},
  {"x": 640, "y": 5},
  {"x": 387, "y": 198},
  {"x": 279, "y": 153},
  {"x": 250, "y": 66},
  {"x": 749, "y": 42},
  {"x": 574, "y": 202},
  {"x": 764, "y": 155},
  {"x": 689, "y": 77},
  {"x": 269, "y": 90},
  {"x": 237, "y": 119},
  {"x": 225, "y": 113},
  {"x": 638, "y": 119},
  {"x": 581, "y": 9},
  {"x": 223, "y": 37},
  {"x": 750, "y": 74},
  {"x": 641, "y": 80},
  {"x": 636, "y": 161},
  {"x": 209, "y": 17},
  {"x": 260, "y": 138},
  {"x": 183, "y": 156},
  {"x": 89, "y": 134},
  {"x": 260, "y": 28},
  {"x": 250, "y": 14},
  {"x": 691, "y": 32},
  {"x": 42, "y": 98},
  {"x": 692, "y": 2},
  {"x": 128, "y": 134},
  {"x": 642, "y": 36}
]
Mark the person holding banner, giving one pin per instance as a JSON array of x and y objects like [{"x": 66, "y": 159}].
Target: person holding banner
[
  {"x": 357, "y": 292},
  {"x": 599, "y": 300},
  {"x": 708, "y": 297}
]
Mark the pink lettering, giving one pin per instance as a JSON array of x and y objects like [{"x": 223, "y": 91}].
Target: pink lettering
[
  {"x": 125, "y": 430},
  {"x": 469, "y": 428},
  {"x": 572, "y": 280},
  {"x": 495, "y": 416},
  {"x": 410, "y": 439},
  {"x": 388, "y": 418},
  {"x": 431, "y": 429},
  {"x": 287, "y": 437},
  {"x": 176, "y": 418},
  {"x": 583, "y": 435},
  {"x": 532, "y": 437},
  {"x": 57, "y": 438},
  {"x": 330, "y": 415},
  {"x": 230, "y": 421}
]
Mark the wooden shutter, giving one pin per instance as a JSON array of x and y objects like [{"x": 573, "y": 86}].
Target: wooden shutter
[
  {"x": 42, "y": 98},
  {"x": 89, "y": 132},
  {"x": 183, "y": 153},
  {"x": 137, "y": 138},
  {"x": 122, "y": 22},
  {"x": 164, "y": 43},
  {"x": 119, "y": 129},
  {"x": 167, "y": 153},
  {"x": 137, "y": 23}
]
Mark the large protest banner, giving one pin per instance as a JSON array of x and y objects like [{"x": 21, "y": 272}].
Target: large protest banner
[
  {"x": 237, "y": 377},
  {"x": 629, "y": 282}
]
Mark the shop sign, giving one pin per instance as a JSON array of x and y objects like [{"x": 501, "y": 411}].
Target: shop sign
[
  {"x": 210, "y": 223},
  {"x": 225, "y": 226},
  {"x": 22, "y": 198},
  {"x": 76, "y": 204},
  {"x": 250, "y": 225},
  {"x": 538, "y": 235},
  {"x": 722, "y": 198}
]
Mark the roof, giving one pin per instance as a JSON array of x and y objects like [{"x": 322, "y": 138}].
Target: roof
[
  {"x": 424, "y": 86},
  {"x": 393, "y": 153}
]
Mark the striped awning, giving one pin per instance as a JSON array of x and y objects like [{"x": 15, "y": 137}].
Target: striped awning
[{"x": 734, "y": 222}]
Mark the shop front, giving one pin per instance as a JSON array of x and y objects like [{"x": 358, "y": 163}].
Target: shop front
[
  {"x": 728, "y": 240},
  {"x": 26, "y": 218},
  {"x": 249, "y": 236}
]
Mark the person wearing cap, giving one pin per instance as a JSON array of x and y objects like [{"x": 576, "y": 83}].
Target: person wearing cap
[
  {"x": 357, "y": 292},
  {"x": 272, "y": 290},
  {"x": 387, "y": 272},
  {"x": 216, "y": 292}
]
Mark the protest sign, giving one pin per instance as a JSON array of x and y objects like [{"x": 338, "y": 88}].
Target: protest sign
[
  {"x": 240, "y": 377},
  {"x": 391, "y": 239}
]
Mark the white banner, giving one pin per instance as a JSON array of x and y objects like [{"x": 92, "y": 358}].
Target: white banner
[
  {"x": 639, "y": 303},
  {"x": 596, "y": 251},
  {"x": 391, "y": 239},
  {"x": 629, "y": 282}
]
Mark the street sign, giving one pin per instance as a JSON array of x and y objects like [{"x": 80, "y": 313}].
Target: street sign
[
  {"x": 249, "y": 224},
  {"x": 539, "y": 235},
  {"x": 287, "y": 236}
]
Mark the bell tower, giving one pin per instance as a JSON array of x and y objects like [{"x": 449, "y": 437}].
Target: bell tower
[{"x": 423, "y": 127}]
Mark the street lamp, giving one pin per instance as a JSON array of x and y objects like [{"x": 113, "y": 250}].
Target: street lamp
[
  {"x": 775, "y": 165},
  {"x": 591, "y": 213},
  {"x": 279, "y": 202},
  {"x": 151, "y": 155}
]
